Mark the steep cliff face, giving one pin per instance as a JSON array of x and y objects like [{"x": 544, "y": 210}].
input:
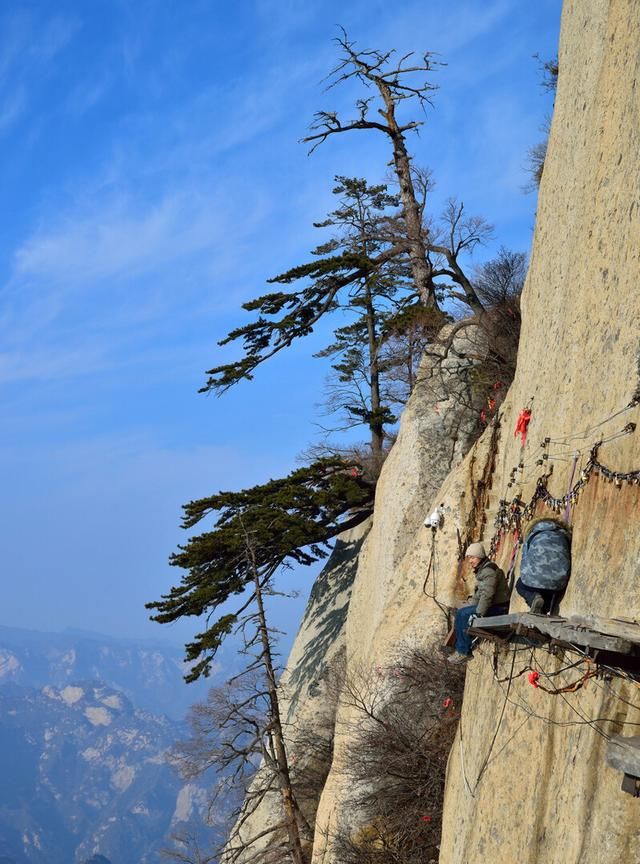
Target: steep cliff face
[
  {"x": 548, "y": 795},
  {"x": 527, "y": 777}
]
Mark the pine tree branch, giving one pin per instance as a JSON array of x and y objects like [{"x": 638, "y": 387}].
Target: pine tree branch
[{"x": 264, "y": 339}]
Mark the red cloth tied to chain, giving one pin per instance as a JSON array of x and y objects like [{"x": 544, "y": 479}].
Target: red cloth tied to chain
[
  {"x": 524, "y": 417},
  {"x": 533, "y": 679}
]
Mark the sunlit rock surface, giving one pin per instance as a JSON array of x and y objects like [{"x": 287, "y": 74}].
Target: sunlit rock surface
[
  {"x": 527, "y": 779},
  {"x": 546, "y": 794}
]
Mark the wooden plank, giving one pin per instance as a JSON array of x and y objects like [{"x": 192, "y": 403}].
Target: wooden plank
[
  {"x": 487, "y": 634},
  {"x": 496, "y": 622},
  {"x": 623, "y": 753},
  {"x": 565, "y": 633},
  {"x": 510, "y": 620},
  {"x": 555, "y": 628},
  {"x": 609, "y": 626}
]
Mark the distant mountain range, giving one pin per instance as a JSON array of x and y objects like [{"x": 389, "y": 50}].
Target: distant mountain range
[
  {"x": 150, "y": 674},
  {"x": 83, "y": 774}
]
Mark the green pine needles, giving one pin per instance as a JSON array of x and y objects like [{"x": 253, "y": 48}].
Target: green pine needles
[{"x": 290, "y": 521}]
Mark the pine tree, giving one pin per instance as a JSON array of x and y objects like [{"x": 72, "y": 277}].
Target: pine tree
[
  {"x": 345, "y": 264},
  {"x": 291, "y": 520}
]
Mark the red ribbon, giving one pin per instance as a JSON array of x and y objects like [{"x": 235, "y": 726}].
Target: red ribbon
[
  {"x": 524, "y": 417},
  {"x": 533, "y": 679}
]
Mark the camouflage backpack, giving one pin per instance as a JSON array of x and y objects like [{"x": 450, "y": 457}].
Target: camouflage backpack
[{"x": 546, "y": 556}]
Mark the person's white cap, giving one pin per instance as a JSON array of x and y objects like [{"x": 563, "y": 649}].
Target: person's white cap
[{"x": 476, "y": 550}]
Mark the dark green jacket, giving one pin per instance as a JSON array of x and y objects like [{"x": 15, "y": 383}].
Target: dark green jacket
[{"x": 491, "y": 586}]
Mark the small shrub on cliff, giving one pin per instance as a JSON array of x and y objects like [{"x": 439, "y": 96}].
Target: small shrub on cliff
[
  {"x": 405, "y": 722},
  {"x": 538, "y": 153}
]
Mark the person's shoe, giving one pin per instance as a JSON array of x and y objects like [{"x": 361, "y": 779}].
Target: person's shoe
[
  {"x": 456, "y": 657},
  {"x": 537, "y": 604}
]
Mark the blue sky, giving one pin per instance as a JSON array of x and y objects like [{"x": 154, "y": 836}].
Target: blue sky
[{"x": 152, "y": 180}]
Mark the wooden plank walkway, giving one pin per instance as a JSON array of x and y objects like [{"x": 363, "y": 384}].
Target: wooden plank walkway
[
  {"x": 588, "y": 632},
  {"x": 614, "y": 642}
]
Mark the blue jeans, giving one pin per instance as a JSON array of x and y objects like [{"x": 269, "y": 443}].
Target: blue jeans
[{"x": 463, "y": 640}]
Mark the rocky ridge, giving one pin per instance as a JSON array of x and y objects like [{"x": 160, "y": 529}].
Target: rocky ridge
[
  {"x": 150, "y": 675},
  {"x": 430, "y": 443}
]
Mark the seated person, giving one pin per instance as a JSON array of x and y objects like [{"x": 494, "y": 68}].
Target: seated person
[
  {"x": 546, "y": 563},
  {"x": 491, "y": 597}
]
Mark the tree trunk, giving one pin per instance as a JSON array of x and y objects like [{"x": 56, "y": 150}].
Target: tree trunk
[
  {"x": 420, "y": 267},
  {"x": 410, "y": 380},
  {"x": 375, "y": 424},
  {"x": 284, "y": 779}
]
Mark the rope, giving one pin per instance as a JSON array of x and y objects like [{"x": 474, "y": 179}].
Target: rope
[
  {"x": 523, "y": 705},
  {"x": 568, "y": 688},
  {"x": 432, "y": 568},
  {"x": 591, "y": 672},
  {"x": 431, "y": 562},
  {"x": 495, "y": 734},
  {"x": 462, "y": 768},
  {"x": 583, "y": 435}
]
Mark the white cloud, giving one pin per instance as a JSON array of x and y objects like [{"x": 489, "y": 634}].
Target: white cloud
[
  {"x": 120, "y": 236},
  {"x": 52, "y": 37},
  {"x": 35, "y": 365},
  {"x": 88, "y": 94},
  {"x": 30, "y": 46},
  {"x": 15, "y": 40}
]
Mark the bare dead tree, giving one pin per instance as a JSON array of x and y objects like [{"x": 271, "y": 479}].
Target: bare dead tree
[
  {"x": 499, "y": 283},
  {"x": 186, "y": 849},
  {"x": 275, "y": 753},
  {"x": 238, "y": 734},
  {"x": 396, "y": 80},
  {"x": 458, "y": 234}
]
